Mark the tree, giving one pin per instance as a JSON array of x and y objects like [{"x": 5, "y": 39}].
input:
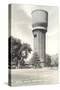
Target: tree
[
  {"x": 14, "y": 47},
  {"x": 48, "y": 60},
  {"x": 16, "y": 51},
  {"x": 54, "y": 60},
  {"x": 24, "y": 51},
  {"x": 35, "y": 61}
]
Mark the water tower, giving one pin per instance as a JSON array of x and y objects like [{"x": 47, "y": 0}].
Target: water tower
[{"x": 39, "y": 25}]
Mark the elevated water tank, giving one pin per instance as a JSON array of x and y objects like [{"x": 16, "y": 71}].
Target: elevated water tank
[{"x": 40, "y": 19}]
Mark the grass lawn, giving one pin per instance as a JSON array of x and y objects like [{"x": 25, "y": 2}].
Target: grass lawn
[{"x": 34, "y": 76}]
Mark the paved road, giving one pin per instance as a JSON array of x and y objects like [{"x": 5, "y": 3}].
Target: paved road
[{"x": 34, "y": 76}]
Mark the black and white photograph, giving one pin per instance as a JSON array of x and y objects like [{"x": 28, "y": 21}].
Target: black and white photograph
[{"x": 33, "y": 45}]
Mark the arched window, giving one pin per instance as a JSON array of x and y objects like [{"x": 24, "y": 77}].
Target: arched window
[{"x": 35, "y": 35}]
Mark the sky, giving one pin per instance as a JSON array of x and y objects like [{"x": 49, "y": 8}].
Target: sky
[{"x": 21, "y": 25}]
